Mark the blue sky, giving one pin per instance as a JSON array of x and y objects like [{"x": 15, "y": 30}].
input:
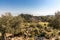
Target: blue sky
[{"x": 35, "y": 7}]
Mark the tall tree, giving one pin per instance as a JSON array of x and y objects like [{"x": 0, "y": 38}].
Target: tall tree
[{"x": 56, "y": 22}]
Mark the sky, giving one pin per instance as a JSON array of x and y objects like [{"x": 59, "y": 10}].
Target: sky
[{"x": 34, "y": 7}]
